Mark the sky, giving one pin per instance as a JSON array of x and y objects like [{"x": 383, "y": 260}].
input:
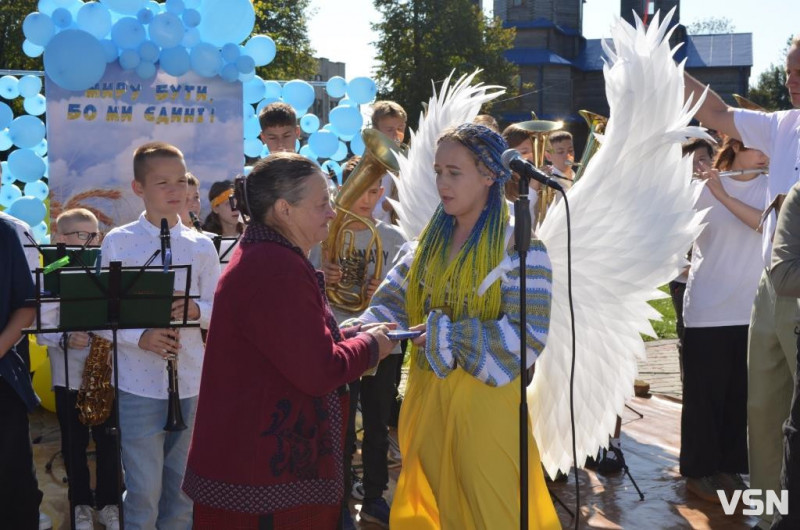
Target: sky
[{"x": 341, "y": 31}]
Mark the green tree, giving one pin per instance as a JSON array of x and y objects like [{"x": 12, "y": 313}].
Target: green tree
[
  {"x": 286, "y": 22},
  {"x": 11, "y": 55},
  {"x": 770, "y": 90},
  {"x": 422, "y": 41},
  {"x": 710, "y": 25}
]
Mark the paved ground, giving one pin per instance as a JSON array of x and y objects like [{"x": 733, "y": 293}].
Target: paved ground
[{"x": 662, "y": 369}]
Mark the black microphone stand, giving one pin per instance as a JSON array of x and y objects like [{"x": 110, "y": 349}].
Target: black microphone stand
[{"x": 522, "y": 242}]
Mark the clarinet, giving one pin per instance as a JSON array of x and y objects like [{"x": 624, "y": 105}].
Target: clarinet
[
  {"x": 174, "y": 416},
  {"x": 196, "y": 222}
]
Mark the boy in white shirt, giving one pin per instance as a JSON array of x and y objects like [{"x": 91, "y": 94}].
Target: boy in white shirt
[{"x": 155, "y": 460}]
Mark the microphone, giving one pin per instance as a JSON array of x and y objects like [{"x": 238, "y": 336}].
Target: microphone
[
  {"x": 513, "y": 161},
  {"x": 166, "y": 248},
  {"x": 196, "y": 222}
]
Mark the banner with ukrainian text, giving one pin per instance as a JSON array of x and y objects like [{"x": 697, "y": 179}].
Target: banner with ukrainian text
[{"x": 92, "y": 136}]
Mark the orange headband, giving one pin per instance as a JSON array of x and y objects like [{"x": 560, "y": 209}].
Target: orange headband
[{"x": 222, "y": 197}]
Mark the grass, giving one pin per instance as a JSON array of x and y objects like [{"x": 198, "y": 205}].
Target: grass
[{"x": 665, "y": 328}]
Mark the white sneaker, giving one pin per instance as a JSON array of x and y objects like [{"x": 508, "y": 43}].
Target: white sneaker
[
  {"x": 83, "y": 517},
  {"x": 109, "y": 516},
  {"x": 45, "y": 523}
]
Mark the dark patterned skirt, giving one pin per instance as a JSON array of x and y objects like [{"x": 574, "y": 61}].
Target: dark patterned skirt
[{"x": 310, "y": 517}]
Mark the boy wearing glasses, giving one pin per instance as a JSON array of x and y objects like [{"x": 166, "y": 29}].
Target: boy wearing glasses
[{"x": 78, "y": 227}]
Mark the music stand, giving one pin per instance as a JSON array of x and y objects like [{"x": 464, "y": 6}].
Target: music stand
[{"x": 110, "y": 299}]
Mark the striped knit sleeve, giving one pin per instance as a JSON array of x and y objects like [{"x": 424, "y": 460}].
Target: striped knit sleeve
[
  {"x": 388, "y": 304},
  {"x": 490, "y": 350}
]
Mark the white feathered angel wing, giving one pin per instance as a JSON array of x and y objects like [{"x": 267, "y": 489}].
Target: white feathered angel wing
[
  {"x": 416, "y": 186},
  {"x": 632, "y": 219}
]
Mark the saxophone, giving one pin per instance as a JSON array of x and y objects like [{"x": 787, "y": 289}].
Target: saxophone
[{"x": 96, "y": 395}]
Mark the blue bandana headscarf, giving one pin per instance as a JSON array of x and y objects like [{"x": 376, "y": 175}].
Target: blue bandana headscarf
[{"x": 487, "y": 145}]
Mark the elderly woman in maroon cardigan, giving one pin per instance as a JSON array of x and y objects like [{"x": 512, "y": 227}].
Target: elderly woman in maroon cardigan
[{"x": 267, "y": 448}]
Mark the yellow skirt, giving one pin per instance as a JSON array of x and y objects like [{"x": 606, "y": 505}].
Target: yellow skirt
[{"x": 459, "y": 439}]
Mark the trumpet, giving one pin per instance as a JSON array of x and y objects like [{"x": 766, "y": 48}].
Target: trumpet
[{"x": 734, "y": 173}]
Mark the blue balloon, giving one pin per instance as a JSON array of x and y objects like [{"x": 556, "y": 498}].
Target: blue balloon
[
  {"x": 47, "y": 6},
  {"x": 145, "y": 16},
  {"x": 110, "y": 50},
  {"x": 247, "y": 170},
  {"x": 230, "y": 52},
  {"x": 41, "y": 150},
  {"x": 248, "y": 110},
  {"x": 28, "y": 209},
  {"x": 229, "y": 73},
  {"x": 129, "y": 59},
  {"x": 36, "y": 105},
  {"x": 300, "y": 95},
  {"x": 7, "y": 177},
  {"x": 38, "y": 28},
  {"x": 254, "y": 90},
  {"x": 272, "y": 90},
  {"x": 336, "y": 87},
  {"x": 6, "y": 115},
  {"x": 346, "y": 120},
  {"x": 261, "y": 48},
  {"x": 5, "y": 142},
  {"x": 341, "y": 152},
  {"x": 357, "y": 145},
  {"x": 29, "y": 86},
  {"x": 31, "y": 49},
  {"x": 309, "y": 123},
  {"x": 347, "y": 102},
  {"x": 126, "y": 7},
  {"x": 323, "y": 143},
  {"x": 149, "y": 51},
  {"x": 175, "y": 61},
  {"x": 8, "y": 194},
  {"x": 244, "y": 78},
  {"x": 362, "y": 89},
  {"x": 175, "y": 6},
  {"x": 252, "y": 127},
  {"x": 26, "y": 131},
  {"x": 26, "y": 165},
  {"x": 167, "y": 30},
  {"x": 206, "y": 59},
  {"x": 191, "y": 18},
  {"x": 252, "y": 147},
  {"x": 146, "y": 70},
  {"x": 329, "y": 165},
  {"x": 192, "y": 4},
  {"x": 94, "y": 18},
  {"x": 61, "y": 17},
  {"x": 308, "y": 152},
  {"x": 128, "y": 33},
  {"x": 40, "y": 230},
  {"x": 245, "y": 64},
  {"x": 9, "y": 87},
  {"x": 226, "y": 21},
  {"x": 37, "y": 189},
  {"x": 191, "y": 38}
]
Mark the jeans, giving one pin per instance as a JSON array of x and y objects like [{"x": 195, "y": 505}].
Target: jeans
[
  {"x": 154, "y": 462},
  {"x": 74, "y": 453},
  {"x": 19, "y": 490}
]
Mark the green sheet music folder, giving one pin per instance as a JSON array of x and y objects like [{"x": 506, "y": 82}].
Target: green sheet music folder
[
  {"x": 50, "y": 254},
  {"x": 145, "y": 304}
]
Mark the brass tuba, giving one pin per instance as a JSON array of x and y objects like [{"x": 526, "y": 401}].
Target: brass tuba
[
  {"x": 539, "y": 131},
  {"x": 96, "y": 395},
  {"x": 597, "y": 125},
  {"x": 350, "y": 293}
]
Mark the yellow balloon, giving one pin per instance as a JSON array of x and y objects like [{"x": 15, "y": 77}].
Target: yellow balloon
[
  {"x": 42, "y": 384},
  {"x": 38, "y": 353}
]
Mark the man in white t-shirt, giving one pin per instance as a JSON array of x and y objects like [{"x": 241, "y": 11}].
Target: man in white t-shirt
[{"x": 772, "y": 348}]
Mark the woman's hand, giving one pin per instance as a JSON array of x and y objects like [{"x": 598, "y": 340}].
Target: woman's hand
[
  {"x": 420, "y": 341},
  {"x": 714, "y": 184},
  {"x": 385, "y": 345}
]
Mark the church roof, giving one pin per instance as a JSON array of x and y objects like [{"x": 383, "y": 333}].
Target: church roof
[
  {"x": 700, "y": 51},
  {"x": 535, "y": 57},
  {"x": 542, "y": 23}
]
